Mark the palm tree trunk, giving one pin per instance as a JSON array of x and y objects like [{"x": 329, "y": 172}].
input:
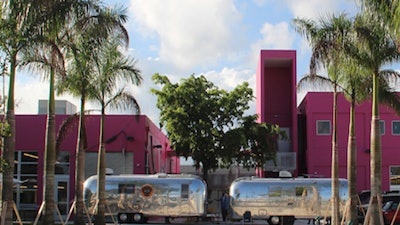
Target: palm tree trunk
[
  {"x": 101, "y": 173},
  {"x": 9, "y": 147},
  {"x": 335, "y": 220},
  {"x": 50, "y": 158},
  {"x": 374, "y": 207},
  {"x": 80, "y": 166},
  {"x": 351, "y": 217}
]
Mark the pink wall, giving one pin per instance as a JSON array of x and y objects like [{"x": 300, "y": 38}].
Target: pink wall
[
  {"x": 276, "y": 103},
  {"x": 275, "y": 91},
  {"x": 318, "y": 106},
  {"x": 120, "y": 129}
]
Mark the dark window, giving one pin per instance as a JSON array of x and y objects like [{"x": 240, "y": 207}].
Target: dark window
[
  {"x": 126, "y": 188},
  {"x": 323, "y": 127},
  {"x": 185, "y": 191},
  {"x": 396, "y": 127},
  {"x": 382, "y": 127},
  {"x": 26, "y": 170}
]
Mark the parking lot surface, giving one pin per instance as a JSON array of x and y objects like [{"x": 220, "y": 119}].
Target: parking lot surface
[{"x": 182, "y": 221}]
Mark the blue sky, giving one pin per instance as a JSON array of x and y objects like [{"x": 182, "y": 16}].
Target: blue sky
[{"x": 220, "y": 39}]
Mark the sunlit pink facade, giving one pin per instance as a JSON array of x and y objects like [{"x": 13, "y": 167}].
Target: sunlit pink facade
[
  {"x": 309, "y": 126},
  {"x": 317, "y": 148},
  {"x": 134, "y": 145},
  {"x": 276, "y": 103}
]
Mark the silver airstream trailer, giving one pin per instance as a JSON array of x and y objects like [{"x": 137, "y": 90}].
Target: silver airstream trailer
[
  {"x": 135, "y": 198},
  {"x": 282, "y": 200}
]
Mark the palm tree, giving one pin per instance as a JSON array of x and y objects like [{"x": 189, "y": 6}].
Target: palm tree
[
  {"x": 327, "y": 38},
  {"x": 48, "y": 59},
  {"x": 13, "y": 35},
  {"x": 110, "y": 66},
  {"x": 376, "y": 50},
  {"x": 388, "y": 12},
  {"x": 355, "y": 91},
  {"x": 86, "y": 35},
  {"x": 357, "y": 88},
  {"x": 52, "y": 20}
]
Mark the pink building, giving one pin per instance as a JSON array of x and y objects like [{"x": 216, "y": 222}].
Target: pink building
[
  {"x": 276, "y": 103},
  {"x": 134, "y": 145},
  {"x": 316, "y": 119},
  {"x": 309, "y": 126}
]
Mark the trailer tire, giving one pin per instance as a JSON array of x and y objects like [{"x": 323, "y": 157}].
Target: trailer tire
[
  {"x": 285, "y": 220},
  {"x": 139, "y": 218},
  {"x": 288, "y": 220}
]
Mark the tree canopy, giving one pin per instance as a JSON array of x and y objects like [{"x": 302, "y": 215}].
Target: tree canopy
[{"x": 210, "y": 125}]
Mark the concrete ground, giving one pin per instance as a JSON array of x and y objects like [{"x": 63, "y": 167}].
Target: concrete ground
[{"x": 184, "y": 221}]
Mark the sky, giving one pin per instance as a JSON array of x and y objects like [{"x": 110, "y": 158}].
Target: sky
[{"x": 220, "y": 39}]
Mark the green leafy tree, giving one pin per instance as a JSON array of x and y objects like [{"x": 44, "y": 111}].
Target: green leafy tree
[
  {"x": 251, "y": 144},
  {"x": 110, "y": 67},
  {"x": 197, "y": 115}
]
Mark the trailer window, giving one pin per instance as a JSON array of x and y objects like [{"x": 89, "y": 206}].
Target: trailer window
[
  {"x": 126, "y": 188},
  {"x": 185, "y": 191}
]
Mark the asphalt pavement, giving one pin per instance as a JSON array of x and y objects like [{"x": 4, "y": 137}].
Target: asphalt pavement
[{"x": 184, "y": 221}]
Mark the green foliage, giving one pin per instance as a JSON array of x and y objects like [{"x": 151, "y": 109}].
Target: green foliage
[
  {"x": 5, "y": 129},
  {"x": 252, "y": 144},
  {"x": 208, "y": 124},
  {"x": 5, "y": 132},
  {"x": 3, "y": 165}
]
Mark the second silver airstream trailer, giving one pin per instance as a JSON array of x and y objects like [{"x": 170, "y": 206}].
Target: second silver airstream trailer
[
  {"x": 135, "y": 198},
  {"x": 281, "y": 201}
]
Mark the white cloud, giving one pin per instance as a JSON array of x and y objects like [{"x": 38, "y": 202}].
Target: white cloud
[
  {"x": 229, "y": 78},
  {"x": 29, "y": 90},
  {"x": 313, "y": 9},
  {"x": 273, "y": 36},
  {"x": 276, "y": 36},
  {"x": 190, "y": 32}
]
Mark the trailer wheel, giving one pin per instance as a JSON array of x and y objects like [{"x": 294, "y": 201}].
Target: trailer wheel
[
  {"x": 274, "y": 220},
  {"x": 281, "y": 220},
  {"x": 138, "y": 218},
  {"x": 288, "y": 220}
]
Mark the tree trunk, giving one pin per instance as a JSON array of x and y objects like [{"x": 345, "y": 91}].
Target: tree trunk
[
  {"x": 351, "y": 217},
  {"x": 101, "y": 174},
  {"x": 50, "y": 158},
  {"x": 80, "y": 166},
  {"x": 335, "y": 220},
  {"x": 374, "y": 208},
  {"x": 9, "y": 147}
]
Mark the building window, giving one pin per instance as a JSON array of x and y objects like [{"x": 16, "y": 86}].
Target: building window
[
  {"x": 323, "y": 127},
  {"x": 26, "y": 170},
  {"x": 120, "y": 163},
  {"x": 396, "y": 127},
  {"x": 382, "y": 126},
  {"x": 62, "y": 164},
  {"x": 394, "y": 177}
]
